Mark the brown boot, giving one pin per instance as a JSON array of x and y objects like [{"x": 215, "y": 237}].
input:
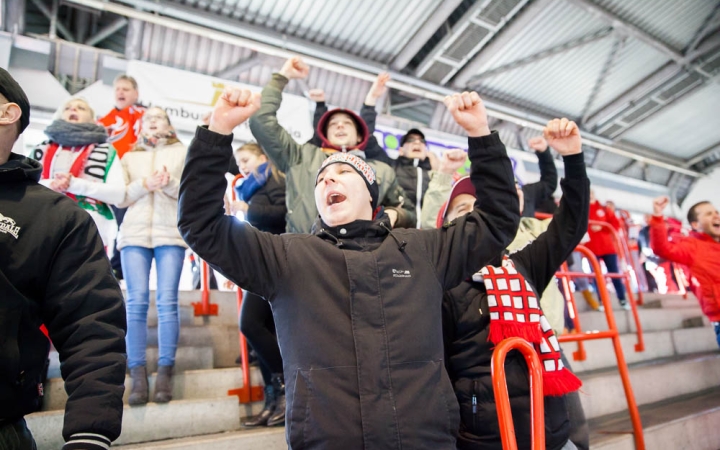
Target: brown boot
[
  {"x": 587, "y": 295},
  {"x": 139, "y": 391},
  {"x": 163, "y": 384}
]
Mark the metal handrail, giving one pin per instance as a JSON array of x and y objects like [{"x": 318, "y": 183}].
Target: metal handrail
[
  {"x": 502, "y": 398},
  {"x": 247, "y": 393},
  {"x": 620, "y": 250},
  {"x": 614, "y": 335}
]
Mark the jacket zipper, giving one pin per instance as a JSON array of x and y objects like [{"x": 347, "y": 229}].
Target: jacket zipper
[
  {"x": 474, "y": 405},
  {"x": 419, "y": 196}
]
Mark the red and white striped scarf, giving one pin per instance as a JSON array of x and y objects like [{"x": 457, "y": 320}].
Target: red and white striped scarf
[{"x": 515, "y": 312}]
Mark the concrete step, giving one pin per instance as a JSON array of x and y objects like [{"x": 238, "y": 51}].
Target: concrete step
[
  {"x": 154, "y": 422},
  {"x": 251, "y": 439},
  {"x": 226, "y": 301},
  {"x": 650, "y": 319},
  {"x": 602, "y": 392},
  {"x": 186, "y": 358},
  {"x": 689, "y": 422},
  {"x": 658, "y": 344},
  {"x": 188, "y": 385}
]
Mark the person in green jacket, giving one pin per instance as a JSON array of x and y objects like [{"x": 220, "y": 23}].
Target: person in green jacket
[{"x": 340, "y": 130}]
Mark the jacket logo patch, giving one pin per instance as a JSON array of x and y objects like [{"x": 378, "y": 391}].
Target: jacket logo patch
[
  {"x": 401, "y": 273},
  {"x": 7, "y": 226}
]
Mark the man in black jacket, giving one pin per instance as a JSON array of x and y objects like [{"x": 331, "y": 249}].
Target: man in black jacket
[
  {"x": 53, "y": 271},
  {"x": 356, "y": 305},
  {"x": 467, "y": 317}
]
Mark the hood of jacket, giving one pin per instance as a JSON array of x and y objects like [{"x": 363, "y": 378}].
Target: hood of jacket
[
  {"x": 359, "y": 124},
  {"x": 19, "y": 168}
]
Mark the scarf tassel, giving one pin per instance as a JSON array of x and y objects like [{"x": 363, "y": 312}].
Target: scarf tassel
[
  {"x": 500, "y": 330},
  {"x": 560, "y": 382}
]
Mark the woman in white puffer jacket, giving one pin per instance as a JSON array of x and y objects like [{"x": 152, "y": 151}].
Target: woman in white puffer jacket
[{"x": 149, "y": 230}]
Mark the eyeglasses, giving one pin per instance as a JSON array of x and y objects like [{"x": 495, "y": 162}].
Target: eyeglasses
[{"x": 412, "y": 141}]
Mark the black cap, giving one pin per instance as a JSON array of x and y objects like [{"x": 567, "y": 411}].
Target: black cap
[
  {"x": 410, "y": 132},
  {"x": 11, "y": 90}
]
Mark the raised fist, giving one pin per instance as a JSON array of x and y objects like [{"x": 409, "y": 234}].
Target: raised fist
[
  {"x": 295, "y": 67},
  {"x": 564, "y": 136},
  {"x": 452, "y": 160},
  {"x": 659, "y": 204},
  {"x": 469, "y": 112},
  {"x": 317, "y": 95},
  {"x": 234, "y": 107},
  {"x": 377, "y": 89},
  {"x": 538, "y": 144}
]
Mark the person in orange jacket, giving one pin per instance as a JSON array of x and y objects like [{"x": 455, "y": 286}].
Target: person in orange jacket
[
  {"x": 602, "y": 245},
  {"x": 700, "y": 251}
]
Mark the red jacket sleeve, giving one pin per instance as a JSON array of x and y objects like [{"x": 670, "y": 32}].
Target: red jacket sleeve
[
  {"x": 611, "y": 218},
  {"x": 679, "y": 251}
]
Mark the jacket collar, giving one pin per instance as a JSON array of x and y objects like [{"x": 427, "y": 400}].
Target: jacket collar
[
  {"x": 405, "y": 161},
  {"x": 354, "y": 235},
  {"x": 702, "y": 236},
  {"x": 19, "y": 168}
]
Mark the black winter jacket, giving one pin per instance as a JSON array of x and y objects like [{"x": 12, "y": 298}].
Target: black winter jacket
[
  {"x": 357, "y": 307},
  {"x": 537, "y": 195},
  {"x": 466, "y": 324},
  {"x": 54, "y": 271},
  {"x": 266, "y": 208},
  {"x": 413, "y": 175}
]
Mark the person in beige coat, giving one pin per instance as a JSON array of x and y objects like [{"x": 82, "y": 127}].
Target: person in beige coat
[{"x": 152, "y": 177}]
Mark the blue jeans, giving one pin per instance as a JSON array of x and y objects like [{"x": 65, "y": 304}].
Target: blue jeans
[
  {"x": 717, "y": 331},
  {"x": 611, "y": 262},
  {"x": 136, "y": 262}
]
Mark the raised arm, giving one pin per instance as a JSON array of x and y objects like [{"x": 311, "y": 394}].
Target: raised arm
[
  {"x": 318, "y": 96},
  {"x": 679, "y": 252},
  {"x": 247, "y": 257},
  {"x": 542, "y": 258},
  {"x": 464, "y": 246},
  {"x": 85, "y": 316},
  {"x": 279, "y": 146}
]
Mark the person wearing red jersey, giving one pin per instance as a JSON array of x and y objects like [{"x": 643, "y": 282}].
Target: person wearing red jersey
[
  {"x": 123, "y": 122},
  {"x": 601, "y": 242},
  {"x": 123, "y": 128},
  {"x": 700, "y": 251}
]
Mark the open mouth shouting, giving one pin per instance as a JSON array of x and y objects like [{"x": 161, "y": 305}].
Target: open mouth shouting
[{"x": 334, "y": 198}]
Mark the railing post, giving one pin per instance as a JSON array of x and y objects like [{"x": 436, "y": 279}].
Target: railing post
[
  {"x": 247, "y": 393},
  {"x": 617, "y": 346},
  {"x": 502, "y": 399}
]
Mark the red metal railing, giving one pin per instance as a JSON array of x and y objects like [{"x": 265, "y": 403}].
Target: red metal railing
[
  {"x": 579, "y": 354},
  {"x": 625, "y": 276},
  {"x": 614, "y": 335},
  {"x": 204, "y": 307},
  {"x": 502, "y": 399},
  {"x": 247, "y": 393}
]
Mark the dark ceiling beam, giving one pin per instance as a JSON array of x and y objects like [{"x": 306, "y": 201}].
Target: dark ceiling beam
[
  {"x": 609, "y": 63},
  {"x": 107, "y": 31},
  {"x": 715, "y": 148},
  {"x": 521, "y": 21},
  {"x": 54, "y": 21},
  {"x": 539, "y": 56},
  {"x": 222, "y": 29},
  {"x": 434, "y": 21},
  {"x": 628, "y": 28}
]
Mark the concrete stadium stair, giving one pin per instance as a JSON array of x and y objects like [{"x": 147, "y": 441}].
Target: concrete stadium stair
[{"x": 675, "y": 382}]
